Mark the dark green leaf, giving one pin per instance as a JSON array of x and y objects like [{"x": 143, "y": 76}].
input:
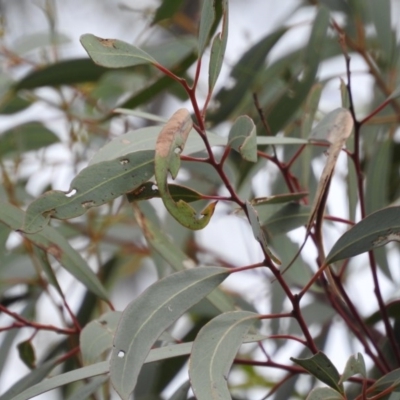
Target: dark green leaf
[
  {"x": 114, "y": 53},
  {"x": 92, "y": 187},
  {"x": 148, "y": 316},
  {"x": 26, "y": 137},
  {"x": 12, "y": 103},
  {"x": 324, "y": 393},
  {"x": 213, "y": 353},
  {"x": 27, "y": 353},
  {"x": 66, "y": 72},
  {"x": 375, "y": 230},
  {"x": 166, "y": 10},
  {"x": 322, "y": 368},
  {"x": 150, "y": 190}
]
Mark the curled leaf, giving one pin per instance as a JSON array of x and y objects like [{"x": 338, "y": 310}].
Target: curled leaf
[{"x": 170, "y": 143}]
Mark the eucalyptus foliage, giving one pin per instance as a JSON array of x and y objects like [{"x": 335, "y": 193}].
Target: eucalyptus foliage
[{"x": 258, "y": 151}]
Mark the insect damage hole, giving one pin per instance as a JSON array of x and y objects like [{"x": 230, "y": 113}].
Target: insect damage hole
[
  {"x": 88, "y": 204},
  {"x": 121, "y": 354},
  {"x": 71, "y": 193},
  {"x": 124, "y": 161}
]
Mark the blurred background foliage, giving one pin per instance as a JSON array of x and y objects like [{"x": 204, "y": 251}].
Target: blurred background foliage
[{"x": 57, "y": 110}]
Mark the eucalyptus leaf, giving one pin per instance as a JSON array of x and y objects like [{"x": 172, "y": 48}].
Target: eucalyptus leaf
[{"x": 150, "y": 314}]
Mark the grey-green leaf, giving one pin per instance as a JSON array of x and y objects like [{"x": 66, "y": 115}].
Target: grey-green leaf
[
  {"x": 97, "y": 336},
  {"x": 92, "y": 187},
  {"x": 148, "y": 316},
  {"x": 214, "y": 350},
  {"x": 113, "y": 53},
  {"x": 206, "y": 22},
  {"x": 375, "y": 230},
  {"x": 218, "y": 48},
  {"x": 51, "y": 241},
  {"x": 324, "y": 393},
  {"x": 243, "y": 138},
  {"x": 354, "y": 365},
  {"x": 322, "y": 368}
]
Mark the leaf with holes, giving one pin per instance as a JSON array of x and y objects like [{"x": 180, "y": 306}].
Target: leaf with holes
[
  {"x": 214, "y": 350},
  {"x": 144, "y": 320},
  {"x": 92, "y": 187},
  {"x": 170, "y": 143},
  {"x": 97, "y": 336},
  {"x": 322, "y": 368},
  {"x": 242, "y": 138},
  {"x": 376, "y": 230},
  {"x": 113, "y": 53}
]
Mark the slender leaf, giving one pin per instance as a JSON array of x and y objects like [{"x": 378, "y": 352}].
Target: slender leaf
[
  {"x": 258, "y": 231},
  {"x": 170, "y": 144},
  {"x": 206, "y": 22},
  {"x": 243, "y": 138},
  {"x": 113, "y": 53},
  {"x": 324, "y": 393},
  {"x": 218, "y": 48},
  {"x": 213, "y": 352},
  {"x": 97, "y": 336},
  {"x": 166, "y": 10},
  {"x": 53, "y": 243},
  {"x": 278, "y": 198},
  {"x": 375, "y": 230},
  {"x": 29, "y": 381},
  {"x": 140, "y": 114},
  {"x": 148, "y": 316},
  {"x": 150, "y": 190},
  {"x": 392, "y": 379},
  {"x": 86, "y": 390},
  {"x": 92, "y": 187},
  {"x": 26, "y": 137},
  {"x": 322, "y": 368}
]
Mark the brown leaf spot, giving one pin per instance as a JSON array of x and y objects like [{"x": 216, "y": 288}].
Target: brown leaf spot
[
  {"x": 384, "y": 239},
  {"x": 55, "y": 251},
  {"x": 88, "y": 204},
  {"x": 107, "y": 42}
]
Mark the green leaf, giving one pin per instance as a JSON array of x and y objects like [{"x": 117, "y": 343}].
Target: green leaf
[
  {"x": 114, "y": 53},
  {"x": 150, "y": 190},
  {"x": 60, "y": 380},
  {"x": 218, "y": 48},
  {"x": 166, "y": 10},
  {"x": 27, "y": 353},
  {"x": 148, "y": 316},
  {"x": 92, "y": 187},
  {"x": 26, "y": 137},
  {"x": 213, "y": 353},
  {"x": 207, "y": 18},
  {"x": 392, "y": 379},
  {"x": 280, "y": 112},
  {"x": 243, "y": 138},
  {"x": 66, "y": 72},
  {"x": 43, "y": 260},
  {"x": 278, "y": 198},
  {"x": 140, "y": 114},
  {"x": 86, "y": 391},
  {"x": 53, "y": 243},
  {"x": 170, "y": 143},
  {"x": 244, "y": 74},
  {"x": 258, "y": 231},
  {"x": 289, "y": 217},
  {"x": 322, "y": 368},
  {"x": 29, "y": 381},
  {"x": 375, "y": 230},
  {"x": 176, "y": 258},
  {"x": 97, "y": 336},
  {"x": 324, "y": 393},
  {"x": 354, "y": 365},
  {"x": 11, "y": 104}
]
